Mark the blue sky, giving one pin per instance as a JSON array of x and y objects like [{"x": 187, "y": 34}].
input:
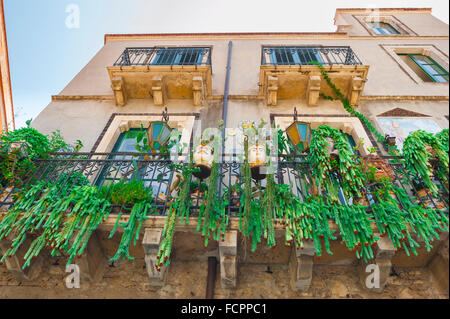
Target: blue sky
[{"x": 45, "y": 55}]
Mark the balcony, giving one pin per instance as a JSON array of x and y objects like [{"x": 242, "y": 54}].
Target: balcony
[
  {"x": 162, "y": 177},
  {"x": 287, "y": 73},
  {"x": 161, "y": 74}
]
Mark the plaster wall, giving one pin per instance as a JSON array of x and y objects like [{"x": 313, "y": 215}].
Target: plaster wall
[{"x": 385, "y": 75}]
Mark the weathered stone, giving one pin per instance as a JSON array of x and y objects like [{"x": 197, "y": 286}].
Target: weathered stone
[
  {"x": 301, "y": 267},
  {"x": 313, "y": 90},
  {"x": 228, "y": 260}
]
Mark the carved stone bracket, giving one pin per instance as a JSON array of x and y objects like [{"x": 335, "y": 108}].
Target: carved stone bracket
[
  {"x": 118, "y": 87},
  {"x": 272, "y": 90},
  {"x": 383, "y": 256},
  {"x": 228, "y": 261},
  {"x": 313, "y": 90},
  {"x": 197, "y": 90},
  {"x": 151, "y": 241},
  {"x": 159, "y": 92},
  {"x": 301, "y": 266},
  {"x": 356, "y": 88}
]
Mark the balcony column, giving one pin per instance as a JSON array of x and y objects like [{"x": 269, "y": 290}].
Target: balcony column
[
  {"x": 197, "y": 90},
  {"x": 118, "y": 87},
  {"x": 356, "y": 86},
  {"x": 383, "y": 256},
  {"x": 228, "y": 261},
  {"x": 301, "y": 266},
  {"x": 151, "y": 242},
  {"x": 313, "y": 90},
  {"x": 159, "y": 92},
  {"x": 272, "y": 90}
]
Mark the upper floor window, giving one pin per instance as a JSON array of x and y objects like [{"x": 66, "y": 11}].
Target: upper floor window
[
  {"x": 165, "y": 56},
  {"x": 306, "y": 55},
  {"x": 425, "y": 67},
  {"x": 383, "y": 28}
]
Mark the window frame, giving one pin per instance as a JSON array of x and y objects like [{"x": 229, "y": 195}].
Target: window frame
[{"x": 433, "y": 63}]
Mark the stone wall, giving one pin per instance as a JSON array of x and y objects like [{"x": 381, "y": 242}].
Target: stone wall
[{"x": 263, "y": 274}]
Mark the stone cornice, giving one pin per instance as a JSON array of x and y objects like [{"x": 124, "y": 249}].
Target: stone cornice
[{"x": 257, "y": 36}]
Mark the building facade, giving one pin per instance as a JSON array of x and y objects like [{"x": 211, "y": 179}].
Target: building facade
[
  {"x": 391, "y": 64},
  {"x": 6, "y": 103}
]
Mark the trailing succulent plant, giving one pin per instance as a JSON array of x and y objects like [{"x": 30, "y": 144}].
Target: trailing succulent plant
[
  {"x": 417, "y": 159},
  {"x": 63, "y": 214},
  {"x": 344, "y": 173}
]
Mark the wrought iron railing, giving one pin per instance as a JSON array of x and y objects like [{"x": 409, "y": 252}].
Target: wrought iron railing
[
  {"x": 163, "y": 177},
  {"x": 165, "y": 56},
  {"x": 299, "y": 55}
]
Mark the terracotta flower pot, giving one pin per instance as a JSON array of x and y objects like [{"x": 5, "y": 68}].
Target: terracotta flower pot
[
  {"x": 424, "y": 200},
  {"x": 383, "y": 169}
]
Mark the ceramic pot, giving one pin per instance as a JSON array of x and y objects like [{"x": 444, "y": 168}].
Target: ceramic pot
[
  {"x": 203, "y": 159},
  {"x": 257, "y": 158}
]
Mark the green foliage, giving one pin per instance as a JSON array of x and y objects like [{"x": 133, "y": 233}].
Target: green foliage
[
  {"x": 349, "y": 176},
  {"x": 126, "y": 192},
  {"x": 417, "y": 158}
]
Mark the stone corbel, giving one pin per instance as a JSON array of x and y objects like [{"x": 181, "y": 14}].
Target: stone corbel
[
  {"x": 151, "y": 241},
  {"x": 197, "y": 90},
  {"x": 158, "y": 91},
  {"x": 383, "y": 260},
  {"x": 356, "y": 88},
  {"x": 93, "y": 263},
  {"x": 228, "y": 263},
  {"x": 272, "y": 90},
  {"x": 301, "y": 266},
  {"x": 14, "y": 266},
  {"x": 313, "y": 90},
  {"x": 118, "y": 87}
]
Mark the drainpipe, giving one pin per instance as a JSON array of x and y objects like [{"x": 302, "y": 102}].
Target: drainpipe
[
  {"x": 211, "y": 280},
  {"x": 212, "y": 261},
  {"x": 226, "y": 93}
]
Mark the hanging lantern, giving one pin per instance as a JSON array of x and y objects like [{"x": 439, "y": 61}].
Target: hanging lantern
[
  {"x": 159, "y": 132},
  {"x": 257, "y": 159},
  {"x": 299, "y": 134},
  {"x": 203, "y": 159}
]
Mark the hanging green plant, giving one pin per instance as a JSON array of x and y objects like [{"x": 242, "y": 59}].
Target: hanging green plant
[
  {"x": 45, "y": 207},
  {"x": 418, "y": 150},
  {"x": 324, "y": 168},
  {"x": 179, "y": 207}
]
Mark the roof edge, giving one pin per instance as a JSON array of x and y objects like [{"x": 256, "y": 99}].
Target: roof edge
[{"x": 110, "y": 37}]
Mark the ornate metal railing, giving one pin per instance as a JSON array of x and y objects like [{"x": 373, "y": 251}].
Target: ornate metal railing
[
  {"x": 165, "y": 56},
  {"x": 299, "y": 55},
  {"x": 163, "y": 177}
]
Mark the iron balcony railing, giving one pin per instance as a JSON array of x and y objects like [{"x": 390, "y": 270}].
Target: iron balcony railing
[
  {"x": 163, "y": 178},
  {"x": 165, "y": 56},
  {"x": 304, "y": 55}
]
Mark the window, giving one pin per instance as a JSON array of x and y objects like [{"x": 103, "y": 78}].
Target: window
[
  {"x": 383, "y": 28},
  {"x": 425, "y": 67},
  {"x": 177, "y": 56},
  {"x": 156, "y": 176},
  {"x": 290, "y": 56},
  {"x": 351, "y": 143}
]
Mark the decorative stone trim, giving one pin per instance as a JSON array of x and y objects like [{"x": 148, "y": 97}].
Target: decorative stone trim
[
  {"x": 401, "y": 112},
  {"x": 428, "y": 50},
  {"x": 348, "y": 124}
]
